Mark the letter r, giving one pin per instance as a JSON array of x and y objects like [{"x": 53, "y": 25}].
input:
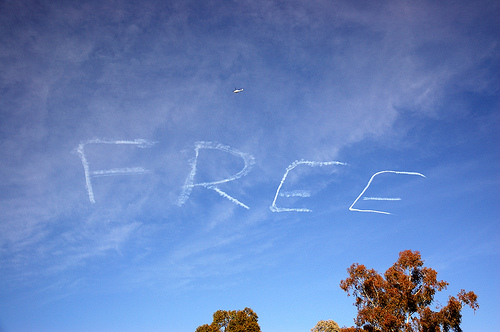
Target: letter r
[{"x": 189, "y": 184}]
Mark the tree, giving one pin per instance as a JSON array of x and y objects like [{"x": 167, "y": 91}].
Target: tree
[
  {"x": 400, "y": 299},
  {"x": 232, "y": 321},
  {"x": 326, "y": 326}
]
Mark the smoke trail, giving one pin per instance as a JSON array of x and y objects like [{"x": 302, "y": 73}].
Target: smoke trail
[
  {"x": 248, "y": 159},
  {"x": 296, "y": 193},
  {"x": 299, "y": 193},
  {"x": 232, "y": 199},
  {"x": 119, "y": 171},
  {"x": 85, "y": 164},
  {"x": 380, "y": 198},
  {"x": 140, "y": 143}
]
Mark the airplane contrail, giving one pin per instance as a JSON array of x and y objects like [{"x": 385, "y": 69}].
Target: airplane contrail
[
  {"x": 380, "y": 198},
  {"x": 85, "y": 164},
  {"x": 119, "y": 171},
  {"x": 296, "y": 193},
  {"x": 140, "y": 143},
  {"x": 232, "y": 199},
  {"x": 288, "y": 169},
  {"x": 248, "y": 159}
]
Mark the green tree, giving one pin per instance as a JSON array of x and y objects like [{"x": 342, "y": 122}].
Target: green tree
[
  {"x": 400, "y": 299},
  {"x": 232, "y": 321},
  {"x": 326, "y": 326}
]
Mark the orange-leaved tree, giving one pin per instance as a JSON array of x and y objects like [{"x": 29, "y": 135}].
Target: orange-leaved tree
[
  {"x": 232, "y": 321},
  {"x": 400, "y": 300}
]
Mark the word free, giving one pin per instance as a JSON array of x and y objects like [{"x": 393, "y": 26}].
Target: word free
[{"x": 248, "y": 161}]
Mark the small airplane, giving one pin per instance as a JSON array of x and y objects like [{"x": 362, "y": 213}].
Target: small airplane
[{"x": 237, "y": 90}]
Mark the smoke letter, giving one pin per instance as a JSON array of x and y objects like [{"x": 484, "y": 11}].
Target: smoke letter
[
  {"x": 189, "y": 185},
  {"x": 300, "y": 193},
  {"x": 140, "y": 143},
  {"x": 380, "y": 198}
]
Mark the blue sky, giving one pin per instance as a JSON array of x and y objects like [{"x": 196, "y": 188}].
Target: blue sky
[{"x": 139, "y": 193}]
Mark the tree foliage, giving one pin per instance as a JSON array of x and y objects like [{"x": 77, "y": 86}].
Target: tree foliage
[
  {"x": 400, "y": 300},
  {"x": 326, "y": 326},
  {"x": 232, "y": 321}
]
